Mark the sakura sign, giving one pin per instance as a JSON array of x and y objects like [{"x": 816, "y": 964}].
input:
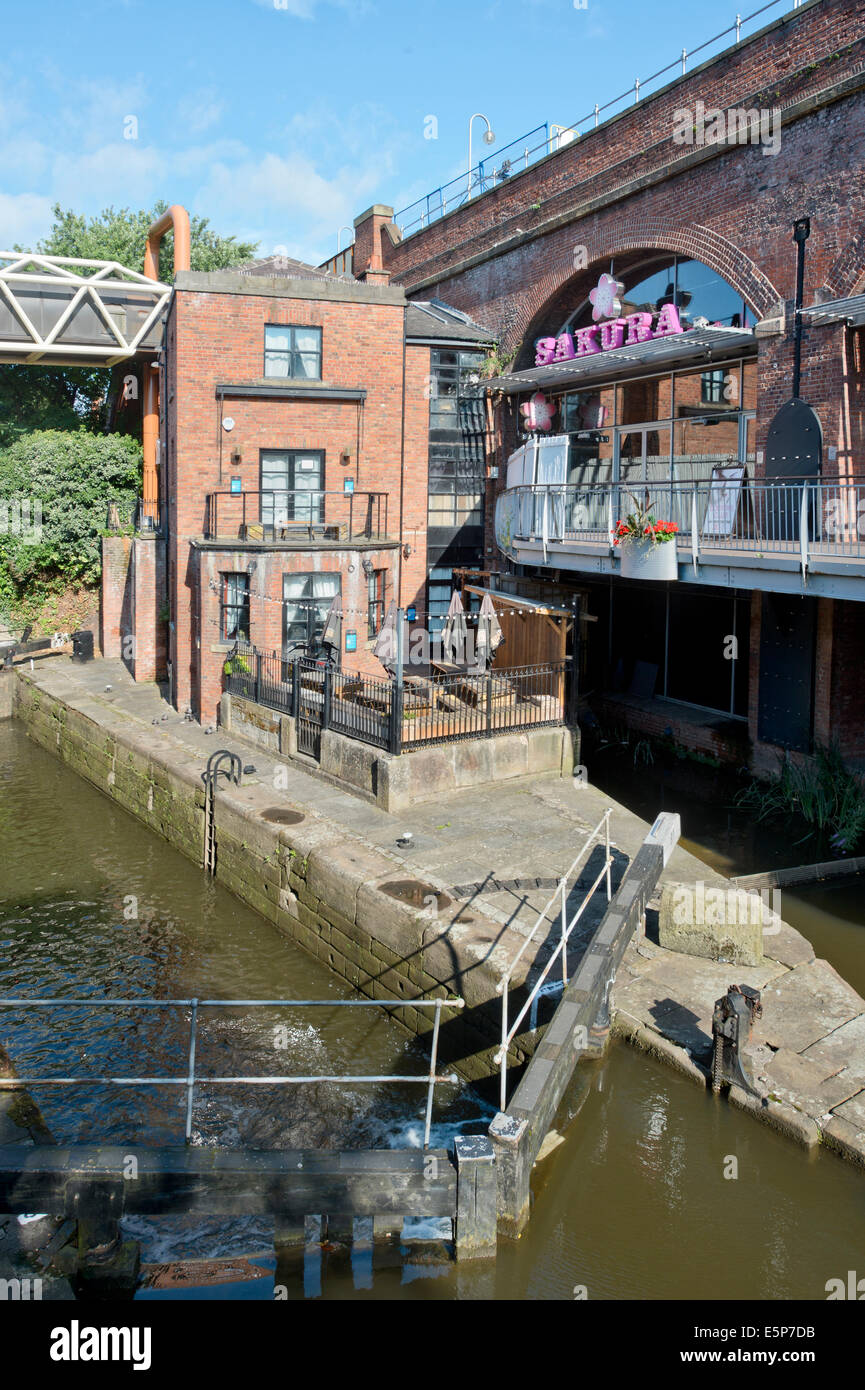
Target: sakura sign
[
  {"x": 538, "y": 412},
  {"x": 614, "y": 332}
]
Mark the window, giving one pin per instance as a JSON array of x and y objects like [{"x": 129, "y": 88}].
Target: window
[
  {"x": 291, "y": 486},
  {"x": 292, "y": 351},
  {"x": 457, "y": 440},
  {"x": 695, "y": 289},
  {"x": 376, "y": 602},
  {"x": 234, "y": 624},
  {"x": 306, "y": 600},
  {"x": 712, "y": 384}
]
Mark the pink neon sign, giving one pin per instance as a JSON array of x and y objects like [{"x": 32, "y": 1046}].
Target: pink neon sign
[{"x": 615, "y": 333}]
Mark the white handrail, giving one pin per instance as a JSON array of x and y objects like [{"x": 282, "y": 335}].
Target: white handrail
[{"x": 567, "y": 928}]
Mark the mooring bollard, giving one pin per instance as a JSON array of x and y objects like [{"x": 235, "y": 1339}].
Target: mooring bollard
[
  {"x": 477, "y": 1216},
  {"x": 732, "y": 1021}
]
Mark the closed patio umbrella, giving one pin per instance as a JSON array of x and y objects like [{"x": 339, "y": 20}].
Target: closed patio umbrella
[
  {"x": 490, "y": 635},
  {"x": 455, "y": 631},
  {"x": 331, "y": 635},
  {"x": 385, "y": 642}
]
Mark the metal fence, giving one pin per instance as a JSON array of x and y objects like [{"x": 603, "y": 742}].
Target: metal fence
[
  {"x": 300, "y": 514},
  {"x": 519, "y": 154},
  {"x": 802, "y": 517},
  {"x": 399, "y": 716}
]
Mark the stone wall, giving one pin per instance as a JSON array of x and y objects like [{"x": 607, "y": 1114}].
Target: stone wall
[
  {"x": 397, "y": 782},
  {"x": 7, "y": 686}
]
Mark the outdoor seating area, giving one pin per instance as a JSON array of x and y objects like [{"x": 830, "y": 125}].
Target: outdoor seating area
[{"x": 423, "y": 710}]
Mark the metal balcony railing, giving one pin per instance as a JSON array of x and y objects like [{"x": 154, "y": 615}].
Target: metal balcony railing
[
  {"x": 807, "y": 518},
  {"x": 297, "y": 515}
]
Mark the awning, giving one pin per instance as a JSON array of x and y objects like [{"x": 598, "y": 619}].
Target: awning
[
  {"x": 696, "y": 345},
  {"x": 849, "y": 310}
]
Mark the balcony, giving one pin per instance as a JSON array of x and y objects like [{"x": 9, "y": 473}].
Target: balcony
[
  {"x": 787, "y": 535},
  {"x": 299, "y": 518}
]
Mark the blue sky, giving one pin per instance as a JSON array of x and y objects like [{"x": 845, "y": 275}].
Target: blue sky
[{"x": 281, "y": 120}]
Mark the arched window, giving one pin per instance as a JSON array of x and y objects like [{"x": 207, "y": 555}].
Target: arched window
[{"x": 696, "y": 290}]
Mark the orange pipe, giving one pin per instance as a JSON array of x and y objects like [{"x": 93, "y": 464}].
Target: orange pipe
[{"x": 178, "y": 218}]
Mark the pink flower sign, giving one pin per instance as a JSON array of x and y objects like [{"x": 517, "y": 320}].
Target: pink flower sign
[
  {"x": 538, "y": 412},
  {"x": 606, "y": 298}
]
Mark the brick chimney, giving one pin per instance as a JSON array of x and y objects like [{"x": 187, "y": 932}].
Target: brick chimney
[{"x": 373, "y": 233}]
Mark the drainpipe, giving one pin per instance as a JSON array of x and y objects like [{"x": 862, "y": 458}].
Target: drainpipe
[
  {"x": 801, "y": 233},
  {"x": 178, "y": 218}
]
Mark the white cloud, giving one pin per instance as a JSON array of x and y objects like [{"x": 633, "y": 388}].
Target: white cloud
[
  {"x": 200, "y": 110},
  {"x": 305, "y": 9},
  {"x": 25, "y": 218},
  {"x": 124, "y": 172}
]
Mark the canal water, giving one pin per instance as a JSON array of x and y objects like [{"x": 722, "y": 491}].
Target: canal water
[{"x": 637, "y": 1202}]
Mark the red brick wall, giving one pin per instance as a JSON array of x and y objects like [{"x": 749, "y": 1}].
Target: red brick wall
[
  {"x": 116, "y": 604},
  {"x": 847, "y": 686},
  {"x": 265, "y": 606},
  {"x": 793, "y": 59},
  {"x": 218, "y": 338},
  {"x": 148, "y": 579}
]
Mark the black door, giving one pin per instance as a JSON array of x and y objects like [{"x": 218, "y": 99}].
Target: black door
[{"x": 786, "y": 699}]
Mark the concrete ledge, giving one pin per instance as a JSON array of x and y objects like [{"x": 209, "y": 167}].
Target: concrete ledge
[
  {"x": 784, "y": 1118},
  {"x": 7, "y": 688},
  {"x": 655, "y": 1045},
  {"x": 844, "y": 1139},
  {"x": 424, "y": 774}
]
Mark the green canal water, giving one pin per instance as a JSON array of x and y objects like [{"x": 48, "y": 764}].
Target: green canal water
[{"x": 634, "y": 1203}]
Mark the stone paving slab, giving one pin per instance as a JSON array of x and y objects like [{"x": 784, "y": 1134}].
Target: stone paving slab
[
  {"x": 842, "y": 1051},
  {"x": 853, "y": 1112},
  {"x": 803, "y": 1083},
  {"x": 805, "y": 1005},
  {"x": 788, "y": 946}
]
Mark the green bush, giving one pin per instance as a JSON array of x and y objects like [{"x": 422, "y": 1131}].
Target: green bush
[
  {"x": 826, "y": 793},
  {"x": 72, "y": 476}
]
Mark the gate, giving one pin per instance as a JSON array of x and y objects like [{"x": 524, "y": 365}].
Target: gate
[{"x": 313, "y": 704}]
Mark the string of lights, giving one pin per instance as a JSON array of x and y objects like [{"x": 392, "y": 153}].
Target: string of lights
[{"x": 364, "y": 612}]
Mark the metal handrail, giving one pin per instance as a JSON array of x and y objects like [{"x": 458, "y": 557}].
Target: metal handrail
[
  {"x": 190, "y": 1080},
  {"x": 561, "y": 892},
  {"x": 808, "y": 517},
  {"x": 476, "y": 174},
  {"x": 315, "y": 508}
]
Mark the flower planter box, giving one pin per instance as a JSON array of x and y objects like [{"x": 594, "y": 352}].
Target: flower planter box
[{"x": 643, "y": 560}]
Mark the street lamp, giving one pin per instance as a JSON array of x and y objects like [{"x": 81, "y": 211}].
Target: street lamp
[{"x": 488, "y": 137}]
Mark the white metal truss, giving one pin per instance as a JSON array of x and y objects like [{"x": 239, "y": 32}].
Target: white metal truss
[{"x": 105, "y": 286}]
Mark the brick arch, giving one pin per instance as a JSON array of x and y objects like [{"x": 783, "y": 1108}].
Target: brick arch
[
  {"x": 847, "y": 275},
  {"x": 649, "y": 234}
]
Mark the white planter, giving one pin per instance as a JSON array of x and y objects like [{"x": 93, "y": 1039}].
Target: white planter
[{"x": 643, "y": 560}]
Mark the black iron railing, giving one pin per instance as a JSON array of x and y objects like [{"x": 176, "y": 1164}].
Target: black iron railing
[
  {"x": 420, "y": 711},
  {"x": 300, "y": 515}
]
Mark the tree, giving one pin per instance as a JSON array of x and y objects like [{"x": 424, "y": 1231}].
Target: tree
[
  {"x": 42, "y": 397},
  {"x": 57, "y": 486},
  {"x": 119, "y": 234},
  {"x": 51, "y": 398}
]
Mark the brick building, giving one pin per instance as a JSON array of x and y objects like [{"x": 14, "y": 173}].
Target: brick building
[
  {"x": 641, "y": 284},
  {"x": 305, "y": 417}
]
